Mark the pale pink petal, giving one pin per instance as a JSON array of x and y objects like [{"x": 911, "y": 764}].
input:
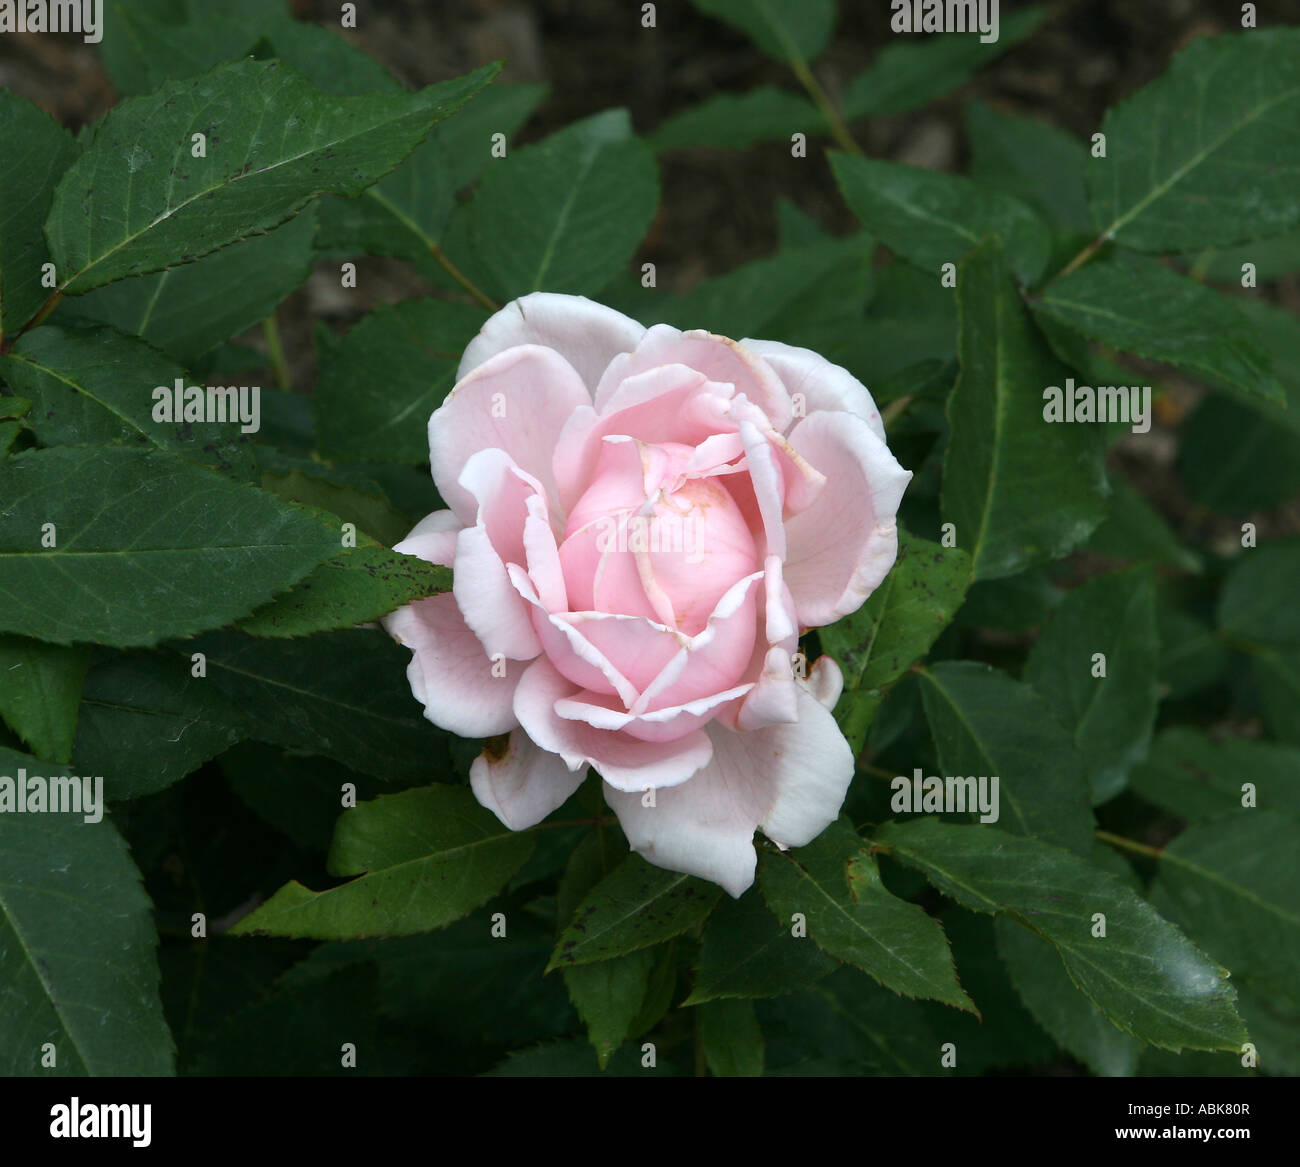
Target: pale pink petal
[
  {"x": 623, "y": 761},
  {"x": 826, "y": 681},
  {"x": 517, "y": 401},
  {"x": 586, "y": 334},
  {"x": 662, "y": 725},
  {"x": 789, "y": 779},
  {"x": 462, "y": 691},
  {"x": 524, "y": 784},
  {"x": 816, "y": 384},
  {"x": 842, "y": 546},
  {"x": 717, "y": 357}
]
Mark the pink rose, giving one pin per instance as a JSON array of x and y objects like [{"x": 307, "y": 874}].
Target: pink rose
[{"x": 642, "y": 523}]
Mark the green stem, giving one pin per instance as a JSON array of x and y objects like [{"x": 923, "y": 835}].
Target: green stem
[
  {"x": 276, "y": 350},
  {"x": 839, "y": 131},
  {"x": 1129, "y": 844},
  {"x": 462, "y": 279},
  {"x": 1078, "y": 261}
]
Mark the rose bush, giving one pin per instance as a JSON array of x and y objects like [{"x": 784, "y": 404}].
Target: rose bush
[{"x": 642, "y": 522}]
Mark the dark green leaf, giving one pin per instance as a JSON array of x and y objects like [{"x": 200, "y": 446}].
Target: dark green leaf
[
  {"x": 1257, "y": 603},
  {"x": 781, "y": 31},
  {"x": 731, "y": 1039},
  {"x": 40, "y": 689},
  {"x": 739, "y": 120}
]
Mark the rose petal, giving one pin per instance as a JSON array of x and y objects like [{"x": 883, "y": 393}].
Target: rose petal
[
  {"x": 842, "y": 546},
  {"x": 524, "y": 784},
  {"x": 517, "y": 401},
  {"x": 788, "y": 779},
  {"x": 822, "y": 384},
  {"x": 586, "y": 334}
]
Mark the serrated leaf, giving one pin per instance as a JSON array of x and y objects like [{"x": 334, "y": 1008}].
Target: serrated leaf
[
  {"x": 985, "y": 724},
  {"x": 1019, "y": 490},
  {"x": 565, "y": 214},
  {"x": 1110, "y": 717},
  {"x": 1139, "y": 306},
  {"x": 78, "y": 963},
  {"x": 875, "y": 645},
  {"x": 37, "y": 151},
  {"x": 1034, "y": 161},
  {"x": 1257, "y": 603},
  {"x": 40, "y": 690},
  {"x": 341, "y": 694},
  {"x": 634, "y": 907},
  {"x": 336, "y": 494},
  {"x": 850, "y": 915},
  {"x": 1144, "y": 974},
  {"x": 739, "y": 120},
  {"x": 165, "y": 206},
  {"x": 423, "y": 858},
  {"x": 731, "y": 1039},
  {"x": 96, "y": 385},
  {"x": 781, "y": 31},
  {"x": 1072, "y": 1020},
  {"x": 1208, "y": 153},
  {"x": 356, "y": 586},
  {"x": 186, "y": 311},
  {"x": 380, "y": 383},
  {"x": 931, "y": 219},
  {"x": 1190, "y": 774},
  {"x": 746, "y": 953},
  {"x": 608, "y": 995},
  {"x": 148, "y": 546},
  {"x": 147, "y": 721},
  {"x": 913, "y": 72}
]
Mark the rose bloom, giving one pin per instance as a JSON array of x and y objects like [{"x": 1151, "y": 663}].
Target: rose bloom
[{"x": 642, "y": 522}]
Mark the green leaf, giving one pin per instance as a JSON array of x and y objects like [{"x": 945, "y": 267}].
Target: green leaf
[
  {"x": 341, "y": 694},
  {"x": 1072, "y": 1020},
  {"x": 737, "y": 121},
  {"x": 379, "y": 384},
  {"x": 1033, "y": 161},
  {"x": 1134, "y": 530},
  {"x": 1191, "y": 775},
  {"x": 1192, "y": 657},
  {"x": 731, "y": 1039},
  {"x": 1144, "y": 975},
  {"x": 833, "y": 883},
  {"x": 912, "y": 72},
  {"x": 759, "y": 298},
  {"x": 788, "y": 34},
  {"x": 1020, "y": 491},
  {"x": 9, "y": 431},
  {"x": 1234, "y": 885},
  {"x": 747, "y": 953},
  {"x": 78, "y": 963},
  {"x": 634, "y": 907},
  {"x": 1277, "y": 673},
  {"x": 147, "y": 721},
  {"x": 1110, "y": 717},
  {"x": 149, "y": 547},
  {"x": 354, "y": 587},
  {"x": 566, "y": 214},
  {"x": 1206, "y": 154},
  {"x": 875, "y": 645},
  {"x": 984, "y": 723},
  {"x": 405, "y": 213},
  {"x": 97, "y": 386},
  {"x": 608, "y": 995},
  {"x": 138, "y": 201},
  {"x": 37, "y": 152},
  {"x": 910, "y": 319},
  {"x": 1257, "y": 603},
  {"x": 346, "y": 495},
  {"x": 1235, "y": 458},
  {"x": 423, "y": 858},
  {"x": 40, "y": 689},
  {"x": 931, "y": 219},
  {"x": 186, "y": 311},
  {"x": 1139, "y": 306}
]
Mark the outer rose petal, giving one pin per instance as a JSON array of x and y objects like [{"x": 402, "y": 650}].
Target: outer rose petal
[
  {"x": 844, "y": 544},
  {"x": 450, "y": 674},
  {"x": 523, "y": 785},
  {"x": 788, "y": 779},
  {"x": 823, "y": 385},
  {"x": 586, "y": 334},
  {"x": 518, "y": 401},
  {"x": 432, "y": 539}
]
